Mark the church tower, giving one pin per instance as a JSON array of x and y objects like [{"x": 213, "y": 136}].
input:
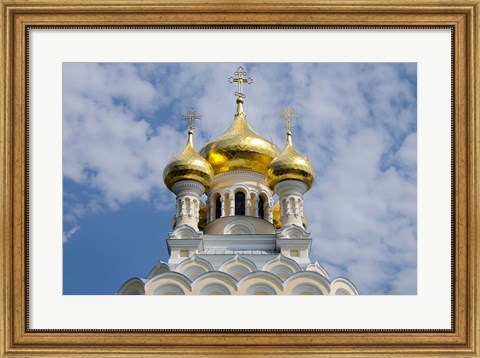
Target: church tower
[{"x": 242, "y": 240}]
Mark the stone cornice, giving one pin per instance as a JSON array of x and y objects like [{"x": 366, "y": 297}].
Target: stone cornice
[
  {"x": 198, "y": 188},
  {"x": 289, "y": 185},
  {"x": 242, "y": 174}
]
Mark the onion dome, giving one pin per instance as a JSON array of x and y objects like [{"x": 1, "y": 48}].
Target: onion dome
[
  {"x": 188, "y": 165},
  {"x": 240, "y": 147},
  {"x": 290, "y": 165}
]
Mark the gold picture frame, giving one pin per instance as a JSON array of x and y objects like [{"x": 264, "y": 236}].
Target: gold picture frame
[{"x": 463, "y": 340}]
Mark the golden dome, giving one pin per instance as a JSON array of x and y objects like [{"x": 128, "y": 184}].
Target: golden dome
[
  {"x": 188, "y": 165},
  {"x": 240, "y": 147},
  {"x": 290, "y": 165}
]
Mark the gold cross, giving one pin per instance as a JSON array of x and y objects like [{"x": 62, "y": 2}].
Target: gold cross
[
  {"x": 241, "y": 77},
  {"x": 288, "y": 115},
  {"x": 190, "y": 117}
]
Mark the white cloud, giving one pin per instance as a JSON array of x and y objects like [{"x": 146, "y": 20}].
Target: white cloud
[
  {"x": 108, "y": 144},
  {"x": 67, "y": 235},
  {"x": 357, "y": 124}
]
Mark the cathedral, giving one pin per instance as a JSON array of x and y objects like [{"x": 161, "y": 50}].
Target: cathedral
[{"x": 249, "y": 237}]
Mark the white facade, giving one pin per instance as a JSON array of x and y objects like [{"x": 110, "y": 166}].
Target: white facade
[{"x": 239, "y": 252}]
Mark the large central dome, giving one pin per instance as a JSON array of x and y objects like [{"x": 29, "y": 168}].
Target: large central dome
[{"x": 240, "y": 147}]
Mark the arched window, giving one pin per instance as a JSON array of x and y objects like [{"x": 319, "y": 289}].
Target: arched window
[
  {"x": 239, "y": 203},
  {"x": 218, "y": 207},
  {"x": 261, "y": 209}
]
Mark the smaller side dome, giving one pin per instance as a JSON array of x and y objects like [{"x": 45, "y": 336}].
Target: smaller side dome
[
  {"x": 188, "y": 165},
  {"x": 290, "y": 165}
]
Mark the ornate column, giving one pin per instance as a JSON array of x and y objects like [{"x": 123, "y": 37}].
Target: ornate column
[
  {"x": 232, "y": 204},
  {"x": 188, "y": 191},
  {"x": 222, "y": 200},
  {"x": 248, "y": 210},
  {"x": 269, "y": 211},
  {"x": 255, "y": 204},
  {"x": 290, "y": 193},
  {"x": 196, "y": 209}
]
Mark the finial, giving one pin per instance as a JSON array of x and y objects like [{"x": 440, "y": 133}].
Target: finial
[
  {"x": 190, "y": 117},
  {"x": 241, "y": 77},
  {"x": 288, "y": 115}
]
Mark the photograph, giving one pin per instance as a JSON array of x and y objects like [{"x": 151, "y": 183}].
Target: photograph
[
  {"x": 239, "y": 178},
  {"x": 322, "y": 151}
]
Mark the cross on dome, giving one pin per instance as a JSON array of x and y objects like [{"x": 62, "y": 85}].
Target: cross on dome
[
  {"x": 190, "y": 117},
  {"x": 288, "y": 114},
  {"x": 241, "y": 77}
]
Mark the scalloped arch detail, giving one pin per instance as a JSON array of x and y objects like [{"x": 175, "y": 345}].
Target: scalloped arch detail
[
  {"x": 282, "y": 260},
  {"x": 161, "y": 267},
  {"x": 316, "y": 267},
  {"x": 134, "y": 286},
  {"x": 168, "y": 278},
  {"x": 302, "y": 280},
  {"x": 341, "y": 286}
]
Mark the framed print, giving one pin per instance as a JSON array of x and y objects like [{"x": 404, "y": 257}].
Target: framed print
[{"x": 320, "y": 155}]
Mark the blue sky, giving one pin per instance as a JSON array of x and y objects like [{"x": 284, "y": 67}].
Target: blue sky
[{"x": 356, "y": 123}]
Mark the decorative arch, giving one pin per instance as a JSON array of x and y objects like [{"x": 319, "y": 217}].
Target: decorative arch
[
  {"x": 215, "y": 289},
  {"x": 168, "y": 290},
  {"x": 341, "y": 286},
  {"x": 307, "y": 282},
  {"x": 238, "y": 267},
  {"x": 134, "y": 286},
  {"x": 184, "y": 232},
  {"x": 242, "y": 187},
  {"x": 262, "y": 289},
  {"x": 316, "y": 267},
  {"x": 193, "y": 267},
  {"x": 281, "y": 266},
  {"x": 210, "y": 282},
  {"x": 293, "y": 232},
  {"x": 306, "y": 289},
  {"x": 168, "y": 280},
  {"x": 239, "y": 227},
  {"x": 159, "y": 269},
  {"x": 239, "y": 197},
  {"x": 258, "y": 282}
]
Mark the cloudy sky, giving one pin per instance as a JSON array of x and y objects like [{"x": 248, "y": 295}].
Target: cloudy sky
[{"x": 356, "y": 123}]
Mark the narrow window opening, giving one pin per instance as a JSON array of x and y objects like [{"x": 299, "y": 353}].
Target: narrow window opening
[
  {"x": 261, "y": 208},
  {"x": 239, "y": 203},
  {"x": 218, "y": 207}
]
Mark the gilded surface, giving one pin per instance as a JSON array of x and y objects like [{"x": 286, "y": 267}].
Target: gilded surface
[
  {"x": 188, "y": 165},
  {"x": 276, "y": 216},
  {"x": 202, "y": 216},
  {"x": 17, "y": 340},
  {"x": 290, "y": 165},
  {"x": 240, "y": 147}
]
